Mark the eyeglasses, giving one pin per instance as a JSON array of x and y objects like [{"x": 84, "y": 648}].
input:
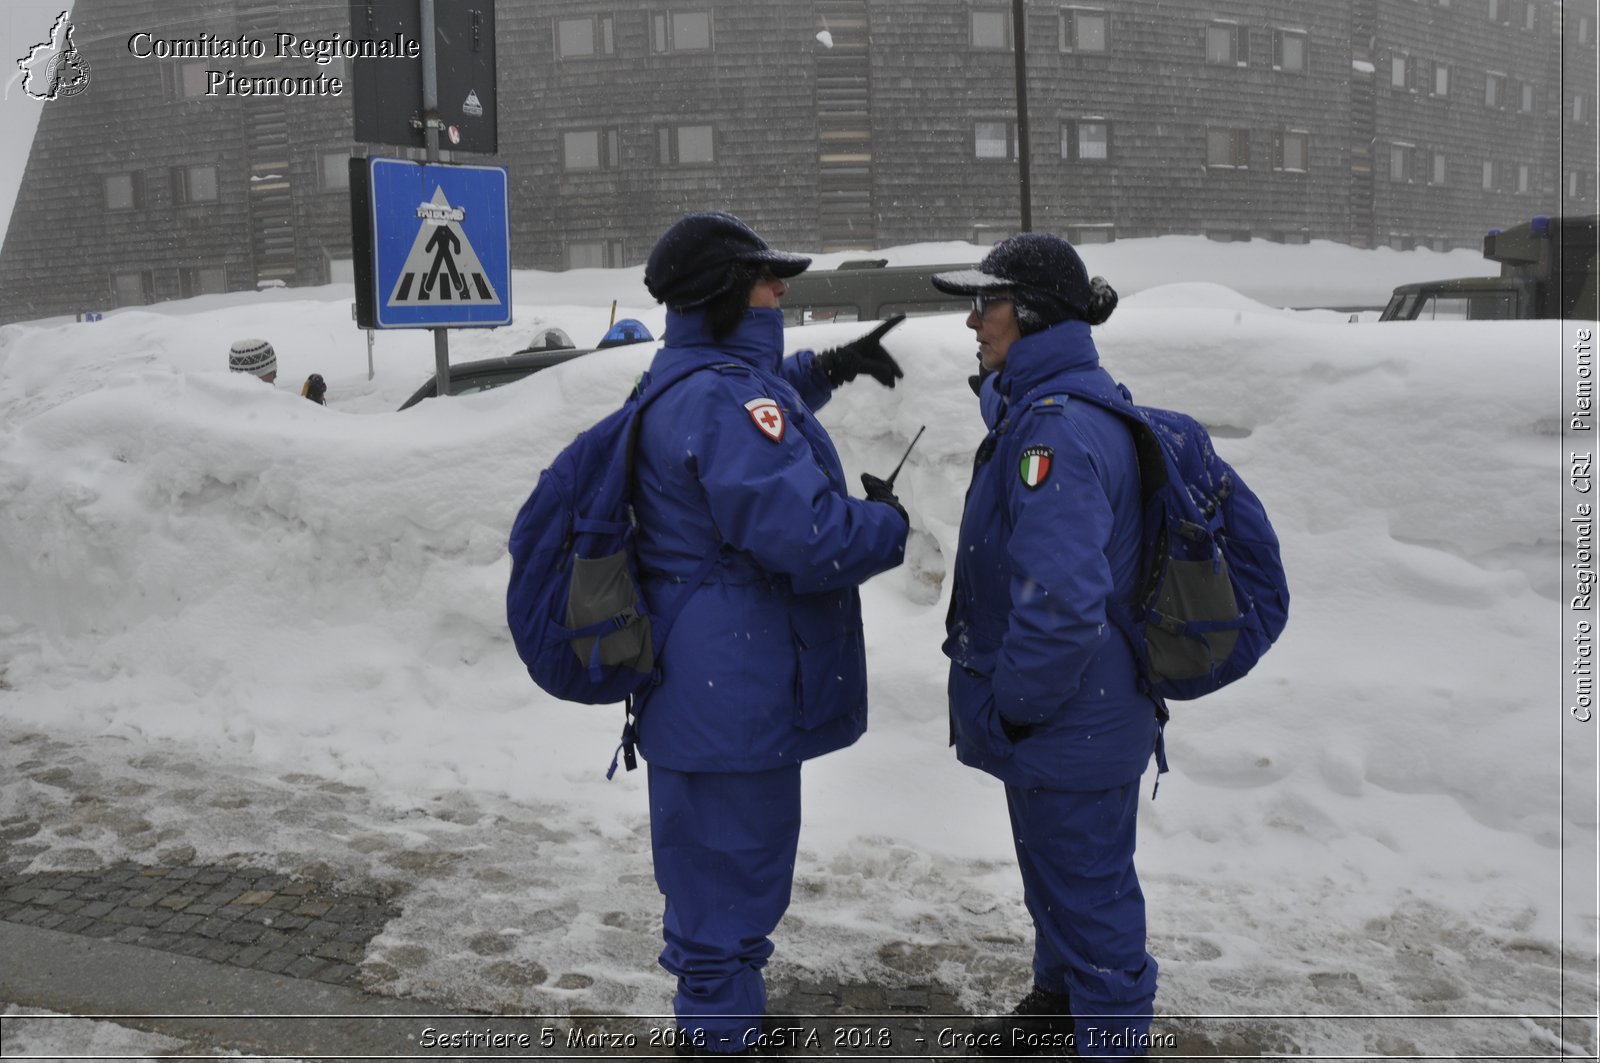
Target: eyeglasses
[{"x": 982, "y": 303}]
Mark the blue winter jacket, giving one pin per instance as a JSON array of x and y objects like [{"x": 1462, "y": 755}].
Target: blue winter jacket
[
  {"x": 1049, "y": 536},
  {"x": 765, "y": 666}
]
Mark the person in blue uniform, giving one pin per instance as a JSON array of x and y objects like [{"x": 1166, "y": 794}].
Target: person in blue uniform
[
  {"x": 764, "y": 668},
  {"x": 1045, "y": 694}
]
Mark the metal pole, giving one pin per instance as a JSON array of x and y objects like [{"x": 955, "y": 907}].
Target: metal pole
[
  {"x": 430, "y": 134},
  {"x": 1024, "y": 154}
]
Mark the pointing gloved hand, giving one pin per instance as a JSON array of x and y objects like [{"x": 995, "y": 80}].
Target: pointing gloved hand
[
  {"x": 878, "y": 490},
  {"x": 865, "y": 355}
]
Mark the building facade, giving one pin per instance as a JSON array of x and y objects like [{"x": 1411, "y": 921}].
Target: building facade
[{"x": 827, "y": 124}]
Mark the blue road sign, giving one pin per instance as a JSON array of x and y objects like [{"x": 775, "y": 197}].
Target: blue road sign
[{"x": 441, "y": 245}]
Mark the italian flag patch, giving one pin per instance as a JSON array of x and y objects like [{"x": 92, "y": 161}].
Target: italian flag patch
[{"x": 1035, "y": 466}]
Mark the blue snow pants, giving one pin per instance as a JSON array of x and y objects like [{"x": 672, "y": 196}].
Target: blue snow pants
[
  {"x": 724, "y": 847},
  {"x": 1075, "y": 851}
]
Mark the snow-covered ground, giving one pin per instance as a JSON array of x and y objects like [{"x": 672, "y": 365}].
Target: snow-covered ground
[{"x": 276, "y": 630}]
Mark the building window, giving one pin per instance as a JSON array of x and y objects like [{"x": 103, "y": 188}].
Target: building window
[
  {"x": 184, "y": 80},
  {"x": 133, "y": 289},
  {"x": 124, "y": 191},
  {"x": 1289, "y": 150},
  {"x": 1225, "y": 44},
  {"x": 1490, "y": 176},
  {"x": 1401, "y": 67},
  {"x": 687, "y": 145},
  {"x": 1526, "y": 104},
  {"x": 1581, "y": 109},
  {"x": 194, "y": 184},
  {"x": 1092, "y": 234},
  {"x": 1401, "y": 157},
  {"x": 1500, "y": 11},
  {"x": 1228, "y": 148},
  {"x": 681, "y": 31},
  {"x": 202, "y": 280},
  {"x": 594, "y": 254},
  {"x": 1583, "y": 29},
  {"x": 1086, "y": 140},
  {"x": 581, "y": 38},
  {"x": 591, "y": 149},
  {"x": 335, "y": 171},
  {"x": 1579, "y": 185},
  {"x": 994, "y": 140},
  {"x": 1437, "y": 176},
  {"x": 1441, "y": 79},
  {"x": 1289, "y": 52},
  {"x": 1524, "y": 178},
  {"x": 1083, "y": 30},
  {"x": 1530, "y": 17},
  {"x": 990, "y": 29},
  {"x": 1494, "y": 91}
]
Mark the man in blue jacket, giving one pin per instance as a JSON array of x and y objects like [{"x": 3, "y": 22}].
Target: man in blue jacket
[
  {"x": 765, "y": 667},
  {"x": 1044, "y": 691}
]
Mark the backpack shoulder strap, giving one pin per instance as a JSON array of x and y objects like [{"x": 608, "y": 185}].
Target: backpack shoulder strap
[
  {"x": 648, "y": 391},
  {"x": 1153, "y": 475}
]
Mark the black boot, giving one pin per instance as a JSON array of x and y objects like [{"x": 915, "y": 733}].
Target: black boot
[{"x": 1040, "y": 1024}]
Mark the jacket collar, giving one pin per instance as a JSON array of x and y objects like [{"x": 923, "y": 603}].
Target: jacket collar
[
  {"x": 757, "y": 340},
  {"x": 1035, "y": 360}
]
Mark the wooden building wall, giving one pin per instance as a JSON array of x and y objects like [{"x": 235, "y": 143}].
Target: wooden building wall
[
  {"x": 817, "y": 146},
  {"x": 1458, "y": 124}
]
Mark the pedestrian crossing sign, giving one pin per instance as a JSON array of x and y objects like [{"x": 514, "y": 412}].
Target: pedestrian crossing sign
[{"x": 438, "y": 244}]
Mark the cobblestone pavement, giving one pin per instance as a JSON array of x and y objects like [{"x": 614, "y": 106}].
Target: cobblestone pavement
[
  {"x": 265, "y": 921},
  {"x": 259, "y": 920},
  {"x": 490, "y": 913},
  {"x": 320, "y": 931},
  {"x": 239, "y": 916}
]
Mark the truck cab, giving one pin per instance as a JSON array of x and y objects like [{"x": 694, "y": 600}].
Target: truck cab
[{"x": 1547, "y": 270}]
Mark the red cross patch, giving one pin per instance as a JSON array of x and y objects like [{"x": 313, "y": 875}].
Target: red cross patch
[{"x": 767, "y": 417}]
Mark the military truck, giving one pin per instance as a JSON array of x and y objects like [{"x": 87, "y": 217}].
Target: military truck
[
  {"x": 1547, "y": 269},
  {"x": 867, "y": 289}
]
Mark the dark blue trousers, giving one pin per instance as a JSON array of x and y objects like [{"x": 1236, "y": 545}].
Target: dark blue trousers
[
  {"x": 724, "y": 847},
  {"x": 1075, "y": 851}
]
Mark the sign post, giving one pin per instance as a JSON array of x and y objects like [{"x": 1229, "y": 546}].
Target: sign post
[{"x": 430, "y": 131}]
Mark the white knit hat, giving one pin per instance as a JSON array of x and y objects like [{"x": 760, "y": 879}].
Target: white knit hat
[{"x": 255, "y": 357}]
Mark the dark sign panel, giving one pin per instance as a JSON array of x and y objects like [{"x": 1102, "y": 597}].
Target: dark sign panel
[{"x": 388, "y": 86}]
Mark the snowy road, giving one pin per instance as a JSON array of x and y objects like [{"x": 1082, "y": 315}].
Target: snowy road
[{"x": 505, "y": 907}]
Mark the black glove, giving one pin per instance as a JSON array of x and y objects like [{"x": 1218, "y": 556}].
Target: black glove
[
  {"x": 1015, "y": 732},
  {"x": 880, "y": 491},
  {"x": 865, "y": 355},
  {"x": 975, "y": 381}
]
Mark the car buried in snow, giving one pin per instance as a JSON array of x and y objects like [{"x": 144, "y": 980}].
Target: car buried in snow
[{"x": 470, "y": 377}]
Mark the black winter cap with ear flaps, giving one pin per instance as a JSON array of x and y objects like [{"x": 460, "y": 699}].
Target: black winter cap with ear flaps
[
  {"x": 696, "y": 259},
  {"x": 1047, "y": 280}
]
